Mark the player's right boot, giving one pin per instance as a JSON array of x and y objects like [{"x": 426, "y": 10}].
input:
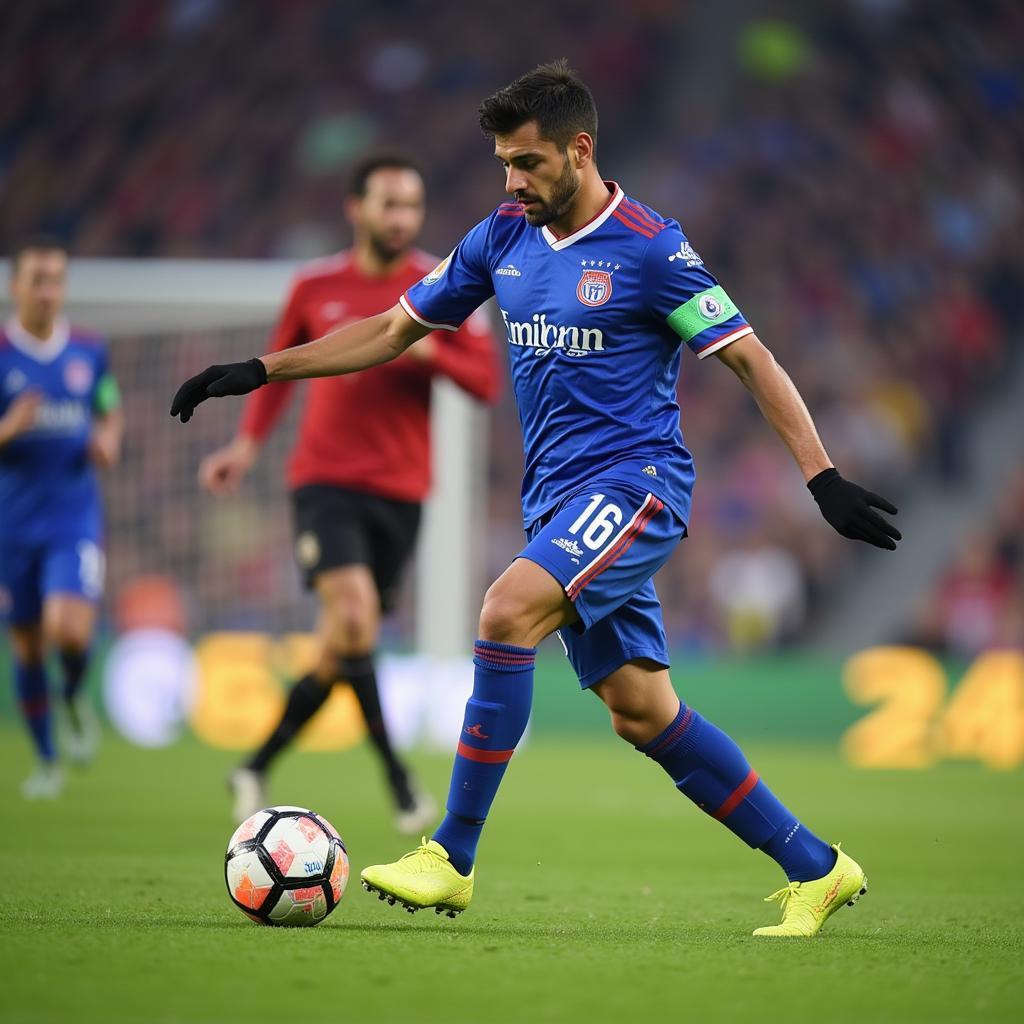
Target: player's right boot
[
  {"x": 421, "y": 879},
  {"x": 250, "y": 792},
  {"x": 45, "y": 783},
  {"x": 806, "y": 906}
]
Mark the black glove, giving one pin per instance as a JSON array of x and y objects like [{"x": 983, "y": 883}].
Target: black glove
[
  {"x": 215, "y": 382},
  {"x": 848, "y": 509}
]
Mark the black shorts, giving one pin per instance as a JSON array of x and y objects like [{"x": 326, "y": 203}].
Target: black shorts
[{"x": 335, "y": 527}]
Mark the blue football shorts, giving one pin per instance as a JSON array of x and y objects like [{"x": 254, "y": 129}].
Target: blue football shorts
[
  {"x": 604, "y": 545},
  {"x": 31, "y": 572}
]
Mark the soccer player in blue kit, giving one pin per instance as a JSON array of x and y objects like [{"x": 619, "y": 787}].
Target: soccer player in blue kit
[
  {"x": 596, "y": 291},
  {"x": 59, "y": 420}
]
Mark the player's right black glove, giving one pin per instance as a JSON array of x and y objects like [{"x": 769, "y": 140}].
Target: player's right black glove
[
  {"x": 849, "y": 510},
  {"x": 216, "y": 382}
]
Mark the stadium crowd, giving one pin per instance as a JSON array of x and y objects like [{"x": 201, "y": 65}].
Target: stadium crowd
[{"x": 855, "y": 187}]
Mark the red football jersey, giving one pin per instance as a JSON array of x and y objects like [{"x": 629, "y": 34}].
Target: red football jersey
[{"x": 368, "y": 431}]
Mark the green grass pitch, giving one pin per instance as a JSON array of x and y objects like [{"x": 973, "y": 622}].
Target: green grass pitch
[{"x": 602, "y": 895}]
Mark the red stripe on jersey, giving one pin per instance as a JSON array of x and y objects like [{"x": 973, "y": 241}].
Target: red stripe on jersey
[
  {"x": 641, "y": 215},
  {"x": 511, "y": 213},
  {"x": 485, "y": 756},
  {"x": 618, "y": 549},
  {"x": 646, "y": 232},
  {"x": 405, "y": 295},
  {"x": 723, "y": 337}
]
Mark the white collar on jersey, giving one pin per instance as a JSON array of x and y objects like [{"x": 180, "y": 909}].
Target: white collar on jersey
[
  {"x": 42, "y": 350},
  {"x": 593, "y": 224}
]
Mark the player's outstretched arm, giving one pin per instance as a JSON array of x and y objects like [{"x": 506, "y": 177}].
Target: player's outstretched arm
[
  {"x": 846, "y": 506},
  {"x": 369, "y": 342}
]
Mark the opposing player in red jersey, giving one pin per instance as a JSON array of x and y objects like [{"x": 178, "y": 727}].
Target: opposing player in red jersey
[{"x": 360, "y": 468}]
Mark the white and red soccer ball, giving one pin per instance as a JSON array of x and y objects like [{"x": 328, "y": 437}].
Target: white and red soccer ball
[{"x": 286, "y": 866}]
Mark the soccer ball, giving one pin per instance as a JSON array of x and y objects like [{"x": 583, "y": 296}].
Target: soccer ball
[{"x": 286, "y": 866}]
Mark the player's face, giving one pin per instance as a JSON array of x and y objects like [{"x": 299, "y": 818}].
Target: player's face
[
  {"x": 390, "y": 216},
  {"x": 538, "y": 173},
  {"x": 39, "y": 284}
]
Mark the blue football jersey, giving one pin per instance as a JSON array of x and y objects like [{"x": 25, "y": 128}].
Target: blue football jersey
[
  {"x": 593, "y": 322},
  {"x": 47, "y": 482}
]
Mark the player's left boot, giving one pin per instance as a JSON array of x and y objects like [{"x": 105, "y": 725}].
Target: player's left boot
[
  {"x": 806, "y": 906},
  {"x": 421, "y": 879},
  {"x": 45, "y": 783},
  {"x": 80, "y": 731}
]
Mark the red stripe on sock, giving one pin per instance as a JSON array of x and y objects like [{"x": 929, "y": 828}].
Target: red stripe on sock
[
  {"x": 35, "y": 707},
  {"x": 681, "y": 726},
  {"x": 737, "y": 795},
  {"x": 485, "y": 756},
  {"x": 505, "y": 657}
]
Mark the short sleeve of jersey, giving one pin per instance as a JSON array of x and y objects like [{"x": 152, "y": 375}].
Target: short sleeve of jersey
[
  {"x": 679, "y": 291},
  {"x": 455, "y": 287}
]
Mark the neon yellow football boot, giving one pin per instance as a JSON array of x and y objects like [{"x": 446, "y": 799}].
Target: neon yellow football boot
[
  {"x": 421, "y": 879},
  {"x": 806, "y": 906}
]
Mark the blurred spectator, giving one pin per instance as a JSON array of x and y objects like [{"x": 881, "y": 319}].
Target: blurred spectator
[{"x": 978, "y": 602}]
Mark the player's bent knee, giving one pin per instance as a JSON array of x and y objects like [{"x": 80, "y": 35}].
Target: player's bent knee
[
  {"x": 350, "y": 630},
  {"x": 632, "y": 726},
  {"x": 69, "y": 637},
  {"x": 504, "y": 617}
]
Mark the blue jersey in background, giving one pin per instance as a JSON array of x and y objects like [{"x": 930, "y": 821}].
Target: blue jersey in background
[{"x": 50, "y": 509}]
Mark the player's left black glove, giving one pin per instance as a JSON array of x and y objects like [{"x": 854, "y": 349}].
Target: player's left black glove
[
  {"x": 848, "y": 508},
  {"x": 216, "y": 382}
]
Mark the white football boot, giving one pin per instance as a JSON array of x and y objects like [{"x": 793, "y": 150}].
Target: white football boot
[
  {"x": 250, "y": 792},
  {"x": 45, "y": 783},
  {"x": 413, "y": 820}
]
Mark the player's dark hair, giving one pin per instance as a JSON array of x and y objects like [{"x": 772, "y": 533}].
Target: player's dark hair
[
  {"x": 36, "y": 243},
  {"x": 551, "y": 94},
  {"x": 379, "y": 162}
]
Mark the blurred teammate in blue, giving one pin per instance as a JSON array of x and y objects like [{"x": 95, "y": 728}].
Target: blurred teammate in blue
[
  {"x": 59, "y": 420},
  {"x": 596, "y": 291}
]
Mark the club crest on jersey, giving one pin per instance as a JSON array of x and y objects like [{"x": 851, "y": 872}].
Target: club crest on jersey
[
  {"x": 595, "y": 287},
  {"x": 77, "y": 376},
  {"x": 438, "y": 272}
]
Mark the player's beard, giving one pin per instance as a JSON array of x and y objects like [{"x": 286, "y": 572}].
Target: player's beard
[
  {"x": 559, "y": 203},
  {"x": 386, "y": 251}
]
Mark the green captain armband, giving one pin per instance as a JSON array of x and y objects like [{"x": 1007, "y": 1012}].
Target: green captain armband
[
  {"x": 704, "y": 310},
  {"x": 108, "y": 395}
]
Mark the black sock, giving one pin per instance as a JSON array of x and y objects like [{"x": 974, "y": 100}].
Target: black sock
[
  {"x": 74, "y": 664},
  {"x": 306, "y": 698},
  {"x": 360, "y": 673}
]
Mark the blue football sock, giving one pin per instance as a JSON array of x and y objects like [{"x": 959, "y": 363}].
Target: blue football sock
[
  {"x": 496, "y": 717},
  {"x": 34, "y": 698},
  {"x": 708, "y": 767},
  {"x": 74, "y": 664}
]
